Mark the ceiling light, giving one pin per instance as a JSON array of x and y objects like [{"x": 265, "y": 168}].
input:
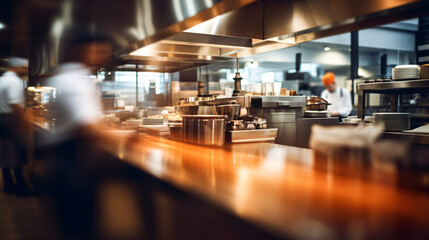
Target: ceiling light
[
  {"x": 2, "y": 25},
  {"x": 252, "y": 64},
  {"x": 326, "y": 48}
]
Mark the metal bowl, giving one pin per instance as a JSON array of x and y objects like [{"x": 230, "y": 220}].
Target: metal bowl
[
  {"x": 231, "y": 110},
  {"x": 186, "y": 110},
  {"x": 234, "y": 125},
  {"x": 317, "y": 103},
  {"x": 260, "y": 123}
]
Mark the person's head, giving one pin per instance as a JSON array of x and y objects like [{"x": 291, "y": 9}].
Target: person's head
[
  {"x": 328, "y": 81},
  {"x": 84, "y": 47},
  {"x": 18, "y": 65}
]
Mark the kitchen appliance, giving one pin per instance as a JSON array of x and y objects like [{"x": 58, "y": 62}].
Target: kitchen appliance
[
  {"x": 204, "y": 129},
  {"x": 280, "y": 112}
]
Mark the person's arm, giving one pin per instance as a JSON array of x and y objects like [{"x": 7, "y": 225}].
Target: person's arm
[{"x": 324, "y": 95}]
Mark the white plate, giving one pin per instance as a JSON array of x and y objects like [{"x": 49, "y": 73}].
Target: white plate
[{"x": 408, "y": 66}]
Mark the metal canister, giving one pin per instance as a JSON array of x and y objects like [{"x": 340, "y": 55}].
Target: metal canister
[{"x": 204, "y": 129}]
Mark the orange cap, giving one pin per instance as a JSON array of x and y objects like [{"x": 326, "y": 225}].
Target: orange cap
[{"x": 328, "y": 78}]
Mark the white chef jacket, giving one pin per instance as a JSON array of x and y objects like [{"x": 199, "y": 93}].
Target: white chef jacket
[
  {"x": 11, "y": 91},
  {"x": 340, "y": 101},
  {"x": 77, "y": 102}
]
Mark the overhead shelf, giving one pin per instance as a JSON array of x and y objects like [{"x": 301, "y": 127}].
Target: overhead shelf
[{"x": 392, "y": 88}]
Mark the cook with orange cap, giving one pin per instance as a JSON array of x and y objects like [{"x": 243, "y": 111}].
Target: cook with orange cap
[{"x": 341, "y": 102}]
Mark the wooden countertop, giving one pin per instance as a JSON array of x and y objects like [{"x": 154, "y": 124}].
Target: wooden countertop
[{"x": 288, "y": 191}]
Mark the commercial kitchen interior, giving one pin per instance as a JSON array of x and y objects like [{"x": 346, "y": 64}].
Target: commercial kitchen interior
[{"x": 165, "y": 66}]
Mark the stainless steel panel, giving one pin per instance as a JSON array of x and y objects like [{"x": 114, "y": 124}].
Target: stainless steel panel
[
  {"x": 303, "y": 128},
  {"x": 209, "y": 40},
  {"x": 245, "y": 22},
  {"x": 128, "y": 25},
  {"x": 281, "y": 101},
  {"x": 259, "y": 135},
  {"x": 305, "y": 20},
  {"x": 280, "y": 117},
  {"x": 45, "y": 27},
  {"x": 286, "y": 133}
]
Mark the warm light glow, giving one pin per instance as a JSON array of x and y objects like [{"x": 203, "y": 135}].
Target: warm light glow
[
  {"x": 284, "y": 39},
  {"x": 141, "y": 52}
]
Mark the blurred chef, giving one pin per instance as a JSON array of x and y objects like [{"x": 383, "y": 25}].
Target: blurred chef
[
  {"x": 75, "y": 168},
  {"x": 13, "y": 126},
  {"x": 341, "y": 102}
]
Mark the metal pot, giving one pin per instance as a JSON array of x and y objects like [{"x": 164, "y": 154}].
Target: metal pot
[
  {"x": 317, "y": 103},
  {"x": 250, "y": 126},
  {"x": 175, "y": 131},
  {"x": 234, "y": 125},
  {"x": 260, "y": 123},
  {"x": 204, "y": 129},
  {"x": 231, "y": 110},
  {"x": 207, "y": 110},
  {"x": 186, "y": 110}
]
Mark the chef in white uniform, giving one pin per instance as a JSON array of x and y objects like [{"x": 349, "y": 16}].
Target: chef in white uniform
[
  {"x": 341, "y": 102},
  {"x": 77, "y": 162},
  {"x": 13, "y": 127}
]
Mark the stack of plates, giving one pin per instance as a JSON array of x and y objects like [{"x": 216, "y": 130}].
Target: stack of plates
[
  {"x": 424, "y": 71},
  {"x": 406, "y": 72},
  {"x": 393, "y": 121},
  {"x": 153, "y": 121},
  {"x": 133, "y": 123}
]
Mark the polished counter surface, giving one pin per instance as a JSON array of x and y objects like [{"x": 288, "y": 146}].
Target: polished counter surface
[{"x": 287, "y": 191}]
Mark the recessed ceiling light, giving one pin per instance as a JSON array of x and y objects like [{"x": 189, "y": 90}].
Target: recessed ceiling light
[{"x": 326, "y": 48}]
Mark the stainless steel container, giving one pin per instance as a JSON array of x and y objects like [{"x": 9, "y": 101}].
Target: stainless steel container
[
  {"x": 206, "y": 110},
  {"x": 204, "y": 129},
  {"x": 234, "y": 125},
  {"x": 231, "y": 110},
  {"x": 175, "y": 131},
  {"x": 260, "y": 123},
  {"x": 186, "y": 110}
]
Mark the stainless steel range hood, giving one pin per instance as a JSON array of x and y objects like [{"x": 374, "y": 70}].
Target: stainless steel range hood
[
  {"x": 170, "y": 35},
  {"x": 268, "y": 25}
]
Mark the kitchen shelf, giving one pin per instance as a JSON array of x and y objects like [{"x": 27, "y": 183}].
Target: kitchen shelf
[
  {"x": 392, "y": 88},
  {"x": 415, "y": 138}
]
